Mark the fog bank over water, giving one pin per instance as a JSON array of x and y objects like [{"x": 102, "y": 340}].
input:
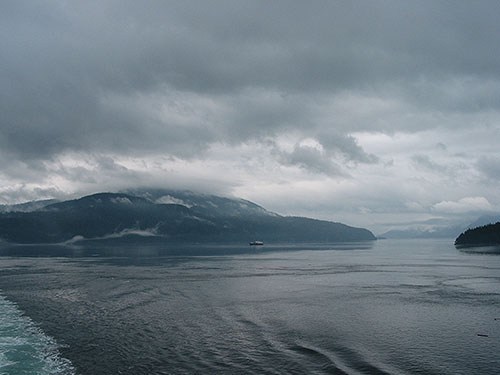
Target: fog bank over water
[{"x": 368, "y": 113}]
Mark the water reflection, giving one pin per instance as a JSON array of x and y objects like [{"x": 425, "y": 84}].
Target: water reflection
[
  {"x": 156, "y": 250},
  {"x": 492, "y": 249}
]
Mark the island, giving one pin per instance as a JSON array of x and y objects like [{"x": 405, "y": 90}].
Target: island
[{"x": 485, "y": 235}]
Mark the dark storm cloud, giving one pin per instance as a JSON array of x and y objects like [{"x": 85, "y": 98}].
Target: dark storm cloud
[{"x": 73, "y": 73}]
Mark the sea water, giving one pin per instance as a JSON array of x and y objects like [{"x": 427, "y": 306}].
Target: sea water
[
  {"x": 24, "y": 348},
  {"x": 387, "y": 307}
]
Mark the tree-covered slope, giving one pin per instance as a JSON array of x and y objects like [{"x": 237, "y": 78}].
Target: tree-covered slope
[
  {"x": 484, "y": 235},
  {"x": 192, "y": 218}
]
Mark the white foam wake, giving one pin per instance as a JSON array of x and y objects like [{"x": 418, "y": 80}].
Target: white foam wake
[{"x": 24, "y": 348}]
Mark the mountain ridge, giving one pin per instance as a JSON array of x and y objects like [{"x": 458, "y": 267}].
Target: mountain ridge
[
  {"x": 205, "y": 218},
  {"x": 437, "y": 228}
]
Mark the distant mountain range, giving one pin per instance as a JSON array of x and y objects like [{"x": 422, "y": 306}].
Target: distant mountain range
[
  {"x": 26, "y": 207},
  {"x": 163, "y": 216},
  {"x": 434, "y": 228}
]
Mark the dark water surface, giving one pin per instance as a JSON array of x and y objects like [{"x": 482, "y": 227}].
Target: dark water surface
[{"x": 391, "y": 307}]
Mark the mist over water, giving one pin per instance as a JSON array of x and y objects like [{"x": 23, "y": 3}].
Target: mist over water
[{"x": 388, "y": 307}]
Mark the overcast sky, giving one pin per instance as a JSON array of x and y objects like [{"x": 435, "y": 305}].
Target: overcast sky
[{"x": 373, "y": 113}]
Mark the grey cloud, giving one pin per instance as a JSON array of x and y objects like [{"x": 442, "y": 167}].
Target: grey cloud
[
  {"x": 347, "y": 146},
  {"x": 94, "y": 171},
  {"x": 464, "y": 205},
  {"x": 424, "y": 161},
  {"x": 311, "y": 159},
  {"x": 25, "y": 192},
  {"x": 490, "y": 167},
  {"x": 17, "y": 170},
  {"x": 451, "y": 170},
  {"x": 61, "y": 61},
  {"x": 332, "y": 151},
  {"x": 441, "y": 146},
  {"x": 109, "y": 80}
]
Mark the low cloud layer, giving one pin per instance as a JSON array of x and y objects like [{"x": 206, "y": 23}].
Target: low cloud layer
[
  {"x": 341, "y": 110},
  {"x": 468, "y": 204}
]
